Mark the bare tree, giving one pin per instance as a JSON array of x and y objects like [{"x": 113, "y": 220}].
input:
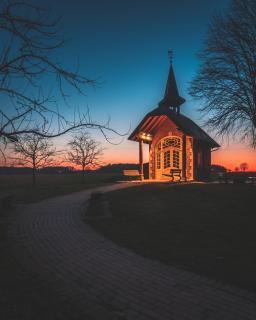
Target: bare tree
[
  {"x": 34, "y": 151},
  {"x": 226, "y": 80},
  {"x": 33, "y": 85},
  {"x": 84, "y": 151},
  {"x": 244, "y": 166}
]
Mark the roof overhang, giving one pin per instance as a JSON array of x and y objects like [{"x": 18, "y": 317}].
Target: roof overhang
[
  {"x": 155, "y": 118},
  {"x": 147, "y": 126}
]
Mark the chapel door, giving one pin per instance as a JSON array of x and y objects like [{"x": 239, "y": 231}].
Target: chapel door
[{"x": 168, "y": 156}]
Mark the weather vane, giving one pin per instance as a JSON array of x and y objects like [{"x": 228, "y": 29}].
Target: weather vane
[{"x": 170, "y": 55}]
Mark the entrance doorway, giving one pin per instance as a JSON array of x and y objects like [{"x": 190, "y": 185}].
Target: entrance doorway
[{"x": 168, "y": 155}]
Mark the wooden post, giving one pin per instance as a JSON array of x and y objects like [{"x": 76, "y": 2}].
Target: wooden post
[
  {"x": 149, "y": 161},
  {"x": 184, "y": 158},
  {"x": 141, "y": 159}
]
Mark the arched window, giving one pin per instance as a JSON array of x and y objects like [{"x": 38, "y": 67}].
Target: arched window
[
  {"x": 171, "y": 142},
  {"x": 168, "y": 153},
  {"x": 174, "y": 142}
]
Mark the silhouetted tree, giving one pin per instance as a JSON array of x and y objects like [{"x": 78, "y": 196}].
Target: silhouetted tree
[
  {"x": 32, "y": 83},
  {"x": 244, "y": 166},
  {"x": 35, "y": 151},
  {"x": 84, "y": 151},
  {"x": 226, "y": 80}
]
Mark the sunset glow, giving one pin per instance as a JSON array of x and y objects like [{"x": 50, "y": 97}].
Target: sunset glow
[
  {"x": 132, "y": 73},
  {"x": 229, "y": 157},
  {"x": 235, "y": 154}
]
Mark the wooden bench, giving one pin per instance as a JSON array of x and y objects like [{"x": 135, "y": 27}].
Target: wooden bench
[
  {"x": 131, "y": 173},
  {"x": 173, "y": 173}
]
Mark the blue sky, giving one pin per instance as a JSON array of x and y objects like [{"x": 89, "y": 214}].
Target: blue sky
[{"x": 124, "y": 45}]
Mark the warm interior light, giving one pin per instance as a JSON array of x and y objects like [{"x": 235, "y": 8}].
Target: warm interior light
[{"x": 145, "y": 136}]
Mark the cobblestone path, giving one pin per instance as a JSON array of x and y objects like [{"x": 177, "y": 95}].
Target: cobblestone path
[{"x": 104, "y": 281}]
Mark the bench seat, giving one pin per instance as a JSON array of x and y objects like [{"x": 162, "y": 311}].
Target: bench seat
[
  {"x": 173, "y": 173},
  {"x": 131, "y": 173}
]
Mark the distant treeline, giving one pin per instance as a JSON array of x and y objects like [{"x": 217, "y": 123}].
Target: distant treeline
[
  {"x": 27, "y": 170},
  {"x": 110, "y": 168}
]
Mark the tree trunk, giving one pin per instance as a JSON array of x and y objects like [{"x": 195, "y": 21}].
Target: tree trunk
[
  {"x": 83, "y": 169},
  {"x": 34, "y": 176},
  {"x": 34, "y": 173}
]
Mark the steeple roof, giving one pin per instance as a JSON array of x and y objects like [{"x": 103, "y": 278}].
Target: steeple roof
[
  {"x": 168, "y": 108},
  {"x": 171, "y": 97}
]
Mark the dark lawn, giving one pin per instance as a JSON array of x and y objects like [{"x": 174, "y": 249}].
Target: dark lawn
[
  {"x": 205, "y": 228},
  {"x": 50, "y": 185}
]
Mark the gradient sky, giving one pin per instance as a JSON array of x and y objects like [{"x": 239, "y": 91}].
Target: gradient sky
[{"x": 124, "y": 44}]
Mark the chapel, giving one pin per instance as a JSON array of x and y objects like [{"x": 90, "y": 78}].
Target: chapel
[{"x": 176, "y": 143}]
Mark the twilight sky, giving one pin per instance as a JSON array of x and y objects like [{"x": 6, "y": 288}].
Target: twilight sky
[{"x": 124, "y": 44}]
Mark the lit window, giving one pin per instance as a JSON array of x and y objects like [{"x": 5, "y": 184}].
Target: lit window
[
  {"x": 171, "y": 142},
  {"x": 176, "y": 159},
  {"x": 167, "y": 157},
  {"x": 158, "y": 160}
]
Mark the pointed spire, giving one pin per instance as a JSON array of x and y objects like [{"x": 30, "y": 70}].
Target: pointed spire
[{"x": 171, "y": 99}]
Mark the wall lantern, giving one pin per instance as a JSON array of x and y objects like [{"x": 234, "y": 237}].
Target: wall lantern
[{"x": 145, "y": 136}]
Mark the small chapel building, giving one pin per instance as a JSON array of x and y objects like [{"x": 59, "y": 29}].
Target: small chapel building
[{"x": 176, "y": 143}]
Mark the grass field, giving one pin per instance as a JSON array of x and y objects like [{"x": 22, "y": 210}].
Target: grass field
[
  {"x": 205, "y": 228},
  {"x": 50, "y": 185}
]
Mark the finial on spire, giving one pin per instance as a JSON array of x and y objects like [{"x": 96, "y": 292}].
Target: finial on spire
[{"x": 170, "y": 55}]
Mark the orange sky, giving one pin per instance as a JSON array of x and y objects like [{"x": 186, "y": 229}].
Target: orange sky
[{"x": 230, "y": 156}]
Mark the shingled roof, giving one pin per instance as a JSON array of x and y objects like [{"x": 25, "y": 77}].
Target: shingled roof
[
  {"x": 169, "y": 107},
  {"x": 184, "y": 123}
]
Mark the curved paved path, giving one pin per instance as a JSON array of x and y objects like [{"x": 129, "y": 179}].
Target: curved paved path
[{"x": 104, "y": 281}]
